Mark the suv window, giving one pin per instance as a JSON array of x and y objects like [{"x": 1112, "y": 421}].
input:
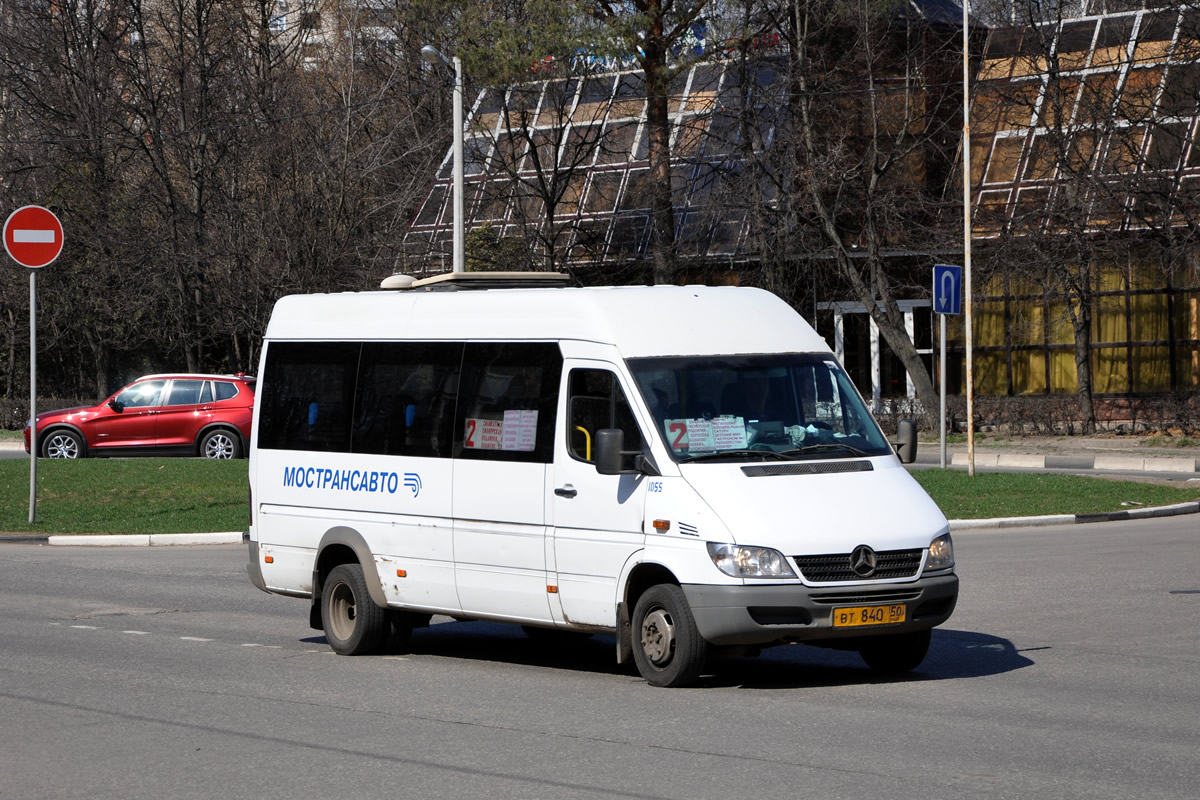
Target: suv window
[
  {"x": 184, "y": 393},
  {"x": 141, "y": 395},
  {"x": 225, "y": 390}
]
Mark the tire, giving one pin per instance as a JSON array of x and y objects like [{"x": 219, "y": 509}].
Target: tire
[
  {"x": 220, "y": 444},
  {"x": 667, "y": 647},
  {"x": 354, "y": 625},
  {"x": 894, "y": 655},
  {"x": 62, "y": 443}
]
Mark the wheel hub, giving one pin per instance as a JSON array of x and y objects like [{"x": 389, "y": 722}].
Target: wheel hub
[{"x": 658, "y": 636}]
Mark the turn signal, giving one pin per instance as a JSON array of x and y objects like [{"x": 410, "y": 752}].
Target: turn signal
[
  {"x": 552, "y": 590},
  {"x": 269, "y": 559},
  {"x": 401, "y": 573},
  {"x": 662, "y": 525}
]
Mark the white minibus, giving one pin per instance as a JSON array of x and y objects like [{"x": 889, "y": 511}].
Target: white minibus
[{"x": 685, "y": 468}]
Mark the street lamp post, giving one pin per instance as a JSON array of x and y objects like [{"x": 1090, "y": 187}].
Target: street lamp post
[{"x": 433, "y": 56}]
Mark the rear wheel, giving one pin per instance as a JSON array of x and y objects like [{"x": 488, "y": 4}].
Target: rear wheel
[
  {"x": 897, "y": 654},
  {"x": 353, "y": 624},
  {"x": 62, "y": 444},
  {"x": 220, "y": 444},
  {"x": 667, "y": 647}
]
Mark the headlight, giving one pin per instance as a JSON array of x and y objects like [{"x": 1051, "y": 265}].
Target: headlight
[
  {"x": 749, "y": 562},
  {"x": 941, "y": 554}
]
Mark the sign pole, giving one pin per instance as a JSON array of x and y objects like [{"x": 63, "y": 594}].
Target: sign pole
[
  {"x": 942, "y": 381},
  {"x": 33, "y": 237},
  {"x": 33, "y": 449}
]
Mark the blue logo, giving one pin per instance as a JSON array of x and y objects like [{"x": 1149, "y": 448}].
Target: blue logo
[{"x": 413, "y": 481}]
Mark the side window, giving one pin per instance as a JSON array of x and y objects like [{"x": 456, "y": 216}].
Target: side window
[
  {"x": 184, "y": 393},
  {"x": 507, "y": 401},
  {"x": 405, "y": 400},
  {"x": 596, "y": 401},
  {"x": 308, "y": 396},
  {"x": 141, "y": 395},
  {"x": 206, "y": 394},
  {"x": 225, "y": 390}
]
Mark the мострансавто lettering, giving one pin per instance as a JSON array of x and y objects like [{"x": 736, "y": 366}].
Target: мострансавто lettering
[{"x": 349, "y": 480}]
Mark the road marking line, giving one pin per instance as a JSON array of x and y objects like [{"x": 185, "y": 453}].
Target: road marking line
[
  {"x": 268, "y": 646},
  {"x": 86, "y": 627},
  {"x": 194, "y": 639},
  {"x": 137, "y": 633}
]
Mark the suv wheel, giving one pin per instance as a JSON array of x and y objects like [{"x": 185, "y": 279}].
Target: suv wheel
[
  {"x": 220, "y": 444},
  {"x": 62, "y": 444}
]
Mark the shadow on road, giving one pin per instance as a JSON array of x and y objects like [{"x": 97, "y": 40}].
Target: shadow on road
[{"x": 953, "y": 654}]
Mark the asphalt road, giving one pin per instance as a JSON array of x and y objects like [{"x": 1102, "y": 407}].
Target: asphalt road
[{"x": 1070, "y": 670}]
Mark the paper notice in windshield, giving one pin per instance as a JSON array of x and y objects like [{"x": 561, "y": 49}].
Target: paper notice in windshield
[
  {"x": 517, "y": 431},
  {"x": 706, "y": 435}
]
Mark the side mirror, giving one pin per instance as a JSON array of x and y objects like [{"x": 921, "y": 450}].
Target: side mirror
[
  {"x": 610, "y": 454},
  {"x": 116, "y": 405},
  {"x": 906, "y": 447},
  {"x": 609, "y": 444}
]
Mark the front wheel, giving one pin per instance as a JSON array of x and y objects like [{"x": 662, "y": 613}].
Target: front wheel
[
  {"x": 220, "y": 444},
  {"x": 897, "y": 654},
  {"x": 62, "y": 444},
  {"x": 667, "y": 647},
  {"x": 354, "y": 625}
]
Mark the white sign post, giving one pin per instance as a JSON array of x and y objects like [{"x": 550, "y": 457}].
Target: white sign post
[{"x": 33, "y": 236}]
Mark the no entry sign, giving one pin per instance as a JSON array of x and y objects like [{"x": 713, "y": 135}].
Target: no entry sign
[{"x": 33, "y": 236}]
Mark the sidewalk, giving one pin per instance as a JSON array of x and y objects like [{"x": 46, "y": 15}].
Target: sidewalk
[{"x": 1101, "y": 453}]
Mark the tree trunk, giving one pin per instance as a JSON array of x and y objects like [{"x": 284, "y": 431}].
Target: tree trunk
[
  {"x": 658, "y": 127},
  {"x": 1082, "y": 322}
]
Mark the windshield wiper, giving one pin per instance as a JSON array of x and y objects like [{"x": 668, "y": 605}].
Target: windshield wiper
[
  {"x": 761, "y": 454},
  {"x": 824, "y": 448}
]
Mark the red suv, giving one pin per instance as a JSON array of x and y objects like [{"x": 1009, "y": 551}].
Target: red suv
[{"x": 172, "y": 414}]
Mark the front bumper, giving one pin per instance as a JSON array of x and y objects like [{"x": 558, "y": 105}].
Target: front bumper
[{"x": 766, "y": 614}]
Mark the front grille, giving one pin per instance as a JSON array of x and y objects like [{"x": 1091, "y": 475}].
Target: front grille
[
  {"x": 862, "y": 598},
  {"x": 889, "y": 564}
]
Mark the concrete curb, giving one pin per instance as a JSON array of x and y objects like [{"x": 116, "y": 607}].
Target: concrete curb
[
  {"x": 126, "y": 540},
  {"x": 1075, "y": 519}
]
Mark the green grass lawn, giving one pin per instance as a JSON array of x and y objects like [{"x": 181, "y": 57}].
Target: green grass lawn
[
  {"x": 191, "y": 495},
  {"x": 125, "y": 495},
  {"x": 1011, "y": 494}
]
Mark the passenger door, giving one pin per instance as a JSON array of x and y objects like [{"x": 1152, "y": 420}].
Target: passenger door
[
  {"x": 134, "y": 425},
  {"x": 597, "y": 519},
  {"x": 504, "y": 439},
  {"x": 183, "y": 412}
]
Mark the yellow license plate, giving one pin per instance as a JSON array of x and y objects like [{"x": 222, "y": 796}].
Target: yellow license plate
[{"x": 858, "y": 616}]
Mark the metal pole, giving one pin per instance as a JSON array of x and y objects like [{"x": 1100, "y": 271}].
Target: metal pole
[
  {"x": 459, "y": 221},
  {"x": 33, "y": 448},
  {"x": 942, "y": 380},
  {"x": 966, "y": 149}
]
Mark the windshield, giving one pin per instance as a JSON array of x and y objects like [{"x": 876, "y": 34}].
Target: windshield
[{"x": 779, "y": 406}]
